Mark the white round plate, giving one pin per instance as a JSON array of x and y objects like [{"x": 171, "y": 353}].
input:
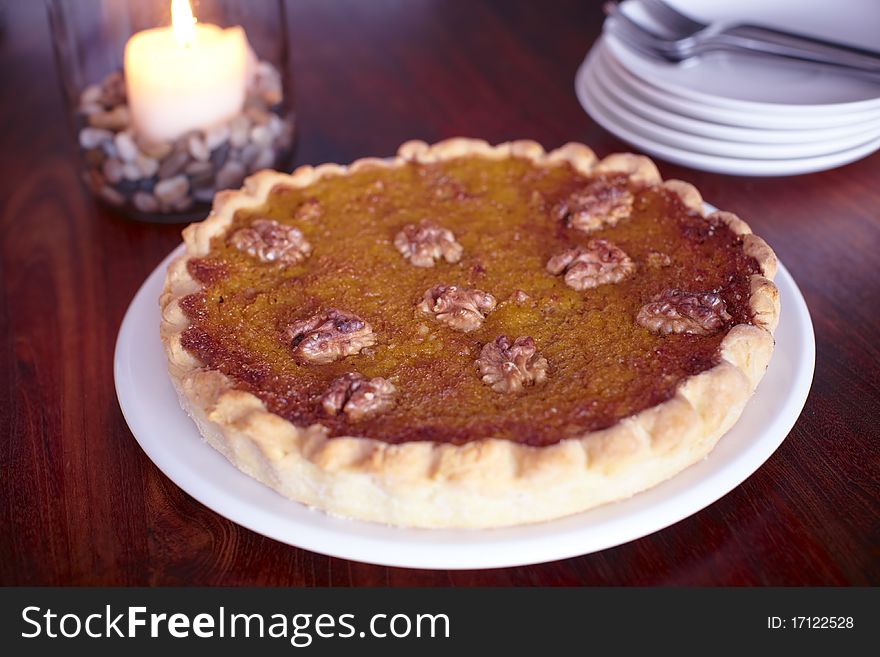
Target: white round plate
[
  {"x": 750, "y": 127},
  {"x": 607, "y": 95},
  {"x": 171, "y": 440},
  {"x": 606, "y": 116},
  {"x": 766, "y": 84}
]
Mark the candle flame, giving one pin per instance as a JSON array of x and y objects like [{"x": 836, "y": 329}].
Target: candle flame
[{"x": 183, "y": 22}]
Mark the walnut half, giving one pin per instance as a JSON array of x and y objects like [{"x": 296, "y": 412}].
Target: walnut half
[
  {"x": 268, "y": 241},
  {"x": 459, "y": 308},
  {"x": 509, "y": 367},
  {"x": 675, "y": 311},
  {"x": 329, "y": 336},
  {"x": 358, "y": 397},
  {"x": 600, "y": 203},
  {"x": 598, "y": 263},
  {"x": 426, "y": 242}
]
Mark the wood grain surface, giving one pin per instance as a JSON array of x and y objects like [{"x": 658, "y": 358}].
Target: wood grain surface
[{"x": 81, "y": 504}]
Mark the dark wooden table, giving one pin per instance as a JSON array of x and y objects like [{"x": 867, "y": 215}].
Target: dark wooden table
[{"x": 82, "y": 504}]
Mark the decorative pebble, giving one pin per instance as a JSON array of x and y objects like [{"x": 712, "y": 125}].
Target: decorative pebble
[
  {"x": 215, "y": 137},
  {"x": 203, "y": 179},
  {"x": 112, "y": 170},
  {"x": 113, "y": 90},
  {"x": 111, "y": 195},
  {"x": 219, "y": 155},
  {"x": 261, "y": 136},
  {"x": 145, "y": 202},
  {"x": 239, "y": 131},
  {"x": 95, "y": 157},
  {"x": 127, "y": 187},
  {"x": 264, "y": 69},
  {"x": 275, "y": 125},
  {"x": 231, "y": 175},
  {"x": 115, "y": 119},
  {"x": 91, "y": 95},
  {"x": 148, "y": 166},
  {"x": 147, "y": 184},
  {"x": 172, "y": 189},
  {"x": 285, "y": 139},
  {"x": 130, "y": 171},
  {"x": 267, "y": 83},
  {"x": 125, "y": 146},
  {"x": 90, "y": 109},
  {"x": 249, "y": 154},
  {"x": 124, "y": 169},
  {"x": 197, "y": 168},
  {"x": 95, "y": 181},
  {"x": 264, "y": 160},
  {"x": 93, "y": 137},
  {"x": 109, "y": 149},
  {"x": 257, "y": 114},
  {"x": 200, "y": 173},
  {"x": 182, "y": 204},
  {"x": 273, "y": 97},
  {"x": 198, "y": 149},
  {"x": 156, "y": 150},
  {"x": 173, "y": 164},
  {"x": 203, "y": 195}
]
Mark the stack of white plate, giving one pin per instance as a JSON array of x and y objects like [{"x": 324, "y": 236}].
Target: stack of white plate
[{"x": 741, "y": 114}]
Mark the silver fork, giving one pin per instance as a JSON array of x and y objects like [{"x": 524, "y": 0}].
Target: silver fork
[{"x": 685, "y": 37}]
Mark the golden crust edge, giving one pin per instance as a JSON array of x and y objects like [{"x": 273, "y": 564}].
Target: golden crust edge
[{"x": 439, "y": 485}]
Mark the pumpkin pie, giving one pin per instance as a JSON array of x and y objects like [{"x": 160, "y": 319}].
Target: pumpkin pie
[{"x": 467, "y": 335}]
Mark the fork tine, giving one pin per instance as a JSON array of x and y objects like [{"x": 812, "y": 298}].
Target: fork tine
[
  {"x": 613, "y": 11},
  {"x": 672, "y": 19},
  {"x": 637, "y": 36},
  {"x": 638, "y": 45},
  {"x": 738, "y": 37}
]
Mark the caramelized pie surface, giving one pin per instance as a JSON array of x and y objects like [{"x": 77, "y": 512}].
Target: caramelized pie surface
[{"x": 602, "y": 365}]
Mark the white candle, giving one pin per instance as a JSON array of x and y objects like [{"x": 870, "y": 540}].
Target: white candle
[{"x": 184, "y": 77}]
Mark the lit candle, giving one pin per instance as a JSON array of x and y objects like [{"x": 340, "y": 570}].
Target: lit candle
[{"x": 184, "y": 77}]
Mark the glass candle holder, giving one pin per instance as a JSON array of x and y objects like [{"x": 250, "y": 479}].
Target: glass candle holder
[{"x": 170, "y": 105}]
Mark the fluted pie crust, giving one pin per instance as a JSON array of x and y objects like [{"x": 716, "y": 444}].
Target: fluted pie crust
[{"x": 484, "y": 482}]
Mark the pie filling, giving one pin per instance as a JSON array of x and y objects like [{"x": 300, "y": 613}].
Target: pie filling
[{"x": 467, "y": 299}]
